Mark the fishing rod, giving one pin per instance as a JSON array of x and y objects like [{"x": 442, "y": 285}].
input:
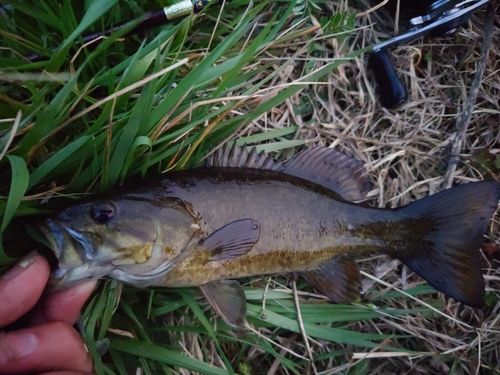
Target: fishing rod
[
  {"x": 147, "y": 21},
  {"x": 442, "y": 17}
]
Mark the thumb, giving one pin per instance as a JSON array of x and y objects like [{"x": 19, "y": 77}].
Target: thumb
[{"x": 63, "y": 306}]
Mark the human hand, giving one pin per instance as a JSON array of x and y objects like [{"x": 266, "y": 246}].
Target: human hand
[{"x": 47, "y": 343}]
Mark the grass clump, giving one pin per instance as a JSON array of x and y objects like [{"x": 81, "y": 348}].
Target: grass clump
[{"x": 274, "y": 73}]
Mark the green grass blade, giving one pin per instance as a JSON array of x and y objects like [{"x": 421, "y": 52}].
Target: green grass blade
[
  {"x": 109, "y": 308},
  {"x": 48, "y": 119},
  {"x": 139, "y": 142},
  {"x": 96, "y": 10},
  {"x": 57, "y": 160},
  {"x": 266, "y": 136},
  {"x": 18, "y": 186},
  {"x": 321, "y": 332},
  {"x": 204, "y": 321},
  {"x": 192, "y": 78},
  {"x": 162, "y": 355},
  {"x": 92, "y": 316},
  {"x": 124, "y": 149}
]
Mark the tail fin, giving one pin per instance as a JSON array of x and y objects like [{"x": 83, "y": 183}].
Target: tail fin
[{"x": 455, "y": 221}]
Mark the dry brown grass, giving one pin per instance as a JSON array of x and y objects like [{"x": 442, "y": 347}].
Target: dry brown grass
[{"x": 406, "y": 154}]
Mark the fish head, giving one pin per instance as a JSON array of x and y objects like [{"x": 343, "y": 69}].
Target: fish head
[{"x": 133, "y": 239}]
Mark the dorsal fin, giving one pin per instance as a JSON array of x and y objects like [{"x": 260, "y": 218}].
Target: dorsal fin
[
  {"x": 332, "y": 169},
  {"x": 238, "y": 157},
  {"x": 321, "y": 165}
]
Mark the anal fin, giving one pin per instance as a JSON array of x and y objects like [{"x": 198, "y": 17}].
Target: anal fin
[
  {"x": 338, "y": 279},
  {"x": 228, "y": 300}
]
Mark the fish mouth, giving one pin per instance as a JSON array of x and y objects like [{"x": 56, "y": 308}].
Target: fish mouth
[
  {"x": 68, "y": 244},
  {"x": 55, "y": 234},
  {"x": 75, "y": 253}
]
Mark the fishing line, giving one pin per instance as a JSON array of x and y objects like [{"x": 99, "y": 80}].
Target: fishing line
[{"x": 147, "y": 21}]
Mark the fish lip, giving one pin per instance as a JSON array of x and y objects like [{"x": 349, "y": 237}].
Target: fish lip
[
  {"x": 64, "y": 278},
  {"x": 55, "y": 234}
]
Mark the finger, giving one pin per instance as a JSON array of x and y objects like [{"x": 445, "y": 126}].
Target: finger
[
  {"x": 52, "y": 347},
  {"x": 62, "y": 306},
  {"x": 21, "y": 287},
  {"x": 66, "y": 373}
]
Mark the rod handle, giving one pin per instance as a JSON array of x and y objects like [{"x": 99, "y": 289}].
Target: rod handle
[{"x": 391, "y": 91}]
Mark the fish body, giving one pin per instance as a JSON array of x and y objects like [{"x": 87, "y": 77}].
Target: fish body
[
  {"x": 302, "y": 224},
  {"x": 246, "y": 215}
]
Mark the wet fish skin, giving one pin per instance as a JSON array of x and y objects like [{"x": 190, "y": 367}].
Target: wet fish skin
[
  {"x": 302, "y": 234},
  {"x": 139, "y": 242},
  {"x": 246, "y": 215},
  {"x": 296, "y": 236}
]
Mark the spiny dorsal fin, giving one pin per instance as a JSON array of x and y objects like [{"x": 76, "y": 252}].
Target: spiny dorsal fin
[
  {"x": 338, "y": 279},
  {"x": 239, "y": 157},
  {"x": 228, "y": 299},
  {"x": 331, "y": 169},
  {"x": 321, "y": 165},
  {"x": 232, "y": 240}
]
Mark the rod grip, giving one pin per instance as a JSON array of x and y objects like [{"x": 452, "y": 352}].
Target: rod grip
[{"x": 391, "y": 90}]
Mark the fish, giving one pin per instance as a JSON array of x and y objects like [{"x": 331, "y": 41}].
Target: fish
[{"x": 245, "y": 214}]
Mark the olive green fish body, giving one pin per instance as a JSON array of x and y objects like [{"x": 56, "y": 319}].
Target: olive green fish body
[
  {"x": 302, "y": 224},
  {"x": 245, "y": 214}
]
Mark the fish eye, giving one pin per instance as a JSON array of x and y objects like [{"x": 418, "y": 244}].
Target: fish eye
[{"x": 103, "y": 213}]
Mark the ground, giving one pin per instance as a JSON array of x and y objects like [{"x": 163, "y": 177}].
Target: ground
[{"x": 280, "y": 75}]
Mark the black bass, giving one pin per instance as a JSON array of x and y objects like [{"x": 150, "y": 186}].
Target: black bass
[{"x": 245, "y": 214}]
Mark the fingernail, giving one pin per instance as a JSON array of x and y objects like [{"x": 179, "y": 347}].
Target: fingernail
[
  {"x": 14, "y": 346},
  {"x": 21, "y": 266},
  {"x": 85, "y": 288}
]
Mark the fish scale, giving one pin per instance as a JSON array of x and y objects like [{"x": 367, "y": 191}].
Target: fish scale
[{"x": 291, "y": 225}]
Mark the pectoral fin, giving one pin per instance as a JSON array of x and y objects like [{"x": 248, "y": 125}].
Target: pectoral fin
[
  {"x": 228, "y": 300},
  {"x": 232, "y": 240},
  {"x": 338, "y": 279}
]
